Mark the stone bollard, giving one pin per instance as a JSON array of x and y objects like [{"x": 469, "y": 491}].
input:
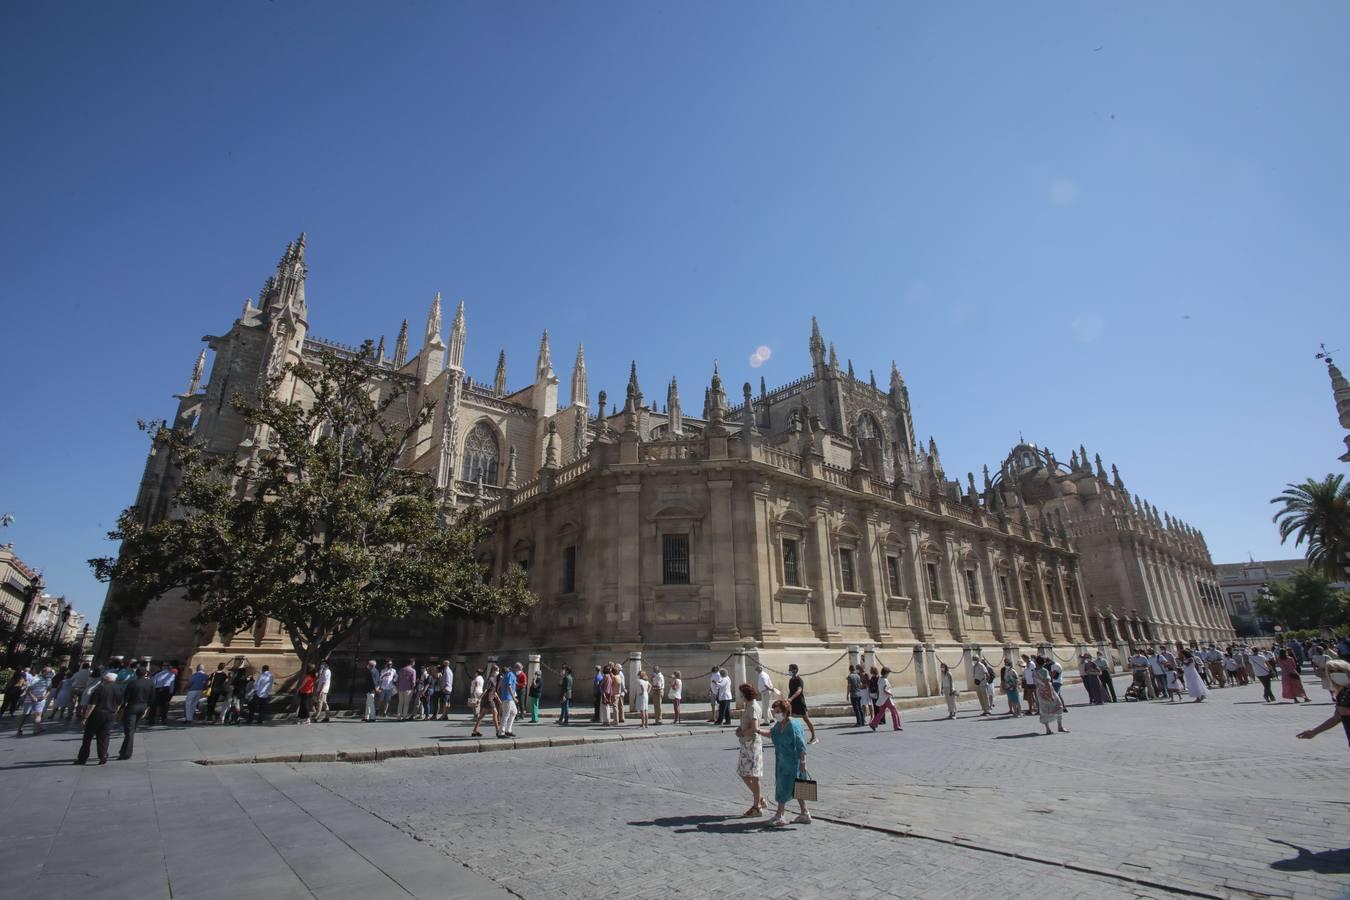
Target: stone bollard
[
  {"x": 931, "y": 670},
  {"x": 870, "y": 652},
  {"x": 968, "y": 664},
  {"x": 531, "y": 670},
  {"x": 631, "y": 678},
  {"x": 921, "y": 688},
  {"x": 460, "y": 687},
  {"x": 738, "y": 672},
  {"x": 854, "y": 655}
]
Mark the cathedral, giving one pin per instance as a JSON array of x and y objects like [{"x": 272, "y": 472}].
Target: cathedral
[{"x": 798, "y": 523}]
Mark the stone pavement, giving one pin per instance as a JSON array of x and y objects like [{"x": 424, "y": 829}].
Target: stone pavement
[{"x": 1217, "y": 799}]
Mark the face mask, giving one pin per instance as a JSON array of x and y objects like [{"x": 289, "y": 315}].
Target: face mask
[{"x": 778, "y": 717}]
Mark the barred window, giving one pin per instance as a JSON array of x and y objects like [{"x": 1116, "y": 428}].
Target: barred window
[
  {"x": 675, "y": 559},
  {"x": 1003, "y": 589},
  {"x": 933, "y": 592},
  {"x": 569, "y": 585},
  {"x": 973, "y": 585},
  {"x": 791, "y": 570},
  {"x": 893, "y": 574},
  {"x": 846, "y": 569}
]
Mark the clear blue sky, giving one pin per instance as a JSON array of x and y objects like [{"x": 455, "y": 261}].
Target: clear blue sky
[{"x": 1136, "y": 247}]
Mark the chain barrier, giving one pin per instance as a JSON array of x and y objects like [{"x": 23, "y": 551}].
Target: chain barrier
[
  {"x": 895, "y": 671},
  {"x": 842, "y": 657},
  {"x": 947, "y": 664},
  {"x": 1070, "y": 658}
]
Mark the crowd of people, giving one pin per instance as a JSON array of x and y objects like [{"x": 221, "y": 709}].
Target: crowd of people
[{"x": 137, "y": 695}]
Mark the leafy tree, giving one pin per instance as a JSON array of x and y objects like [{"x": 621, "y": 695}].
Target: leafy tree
[
  {"x": 324, "y": 532},
  {"x": 1305, "y": 601},
  {"x": 1318, "y": 512}
]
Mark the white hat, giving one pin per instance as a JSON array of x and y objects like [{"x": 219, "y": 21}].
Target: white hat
[{"x": 109, "y": 676}]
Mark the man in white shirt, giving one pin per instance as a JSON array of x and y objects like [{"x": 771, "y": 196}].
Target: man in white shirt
[
  {"x": 658, "y": 689},
  {"x": 766, "y": 694},
  {"x": 262, "y": 692},
  {"x": 164, "y": 681},
  {"x": 388, "y": 688},
  {"x": 447, "y": 688},
  {"x": 321, "y": 687},
  {"x": 1262, "y": 665},
  {"x": 1028, "y": 684},
  {"x": 714, "y": 689},
  {"x": 980, "y": 673},
  {"x": 724, "y": 699},
  {"x": 1157, "y": 667}
]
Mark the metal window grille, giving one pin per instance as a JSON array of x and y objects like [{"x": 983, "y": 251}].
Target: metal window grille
[
  {"x": 893, "y": 574},
  {"x": 933, "y": 592},
  {"x": 675, "y": 559},
  {"x": 846, "y": 568},
  {"x": 973, "y": 586},
  {"x": 791, "y": 571}
]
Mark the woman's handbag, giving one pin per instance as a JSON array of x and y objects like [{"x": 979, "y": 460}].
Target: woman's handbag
[{"x": 805, "y": 787}]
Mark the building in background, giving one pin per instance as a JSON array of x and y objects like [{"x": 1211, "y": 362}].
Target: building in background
[
  {"x": 26, "y": 609},
  {"x": 1242, "y": 584},
  {"x": 803, "y": 520}
]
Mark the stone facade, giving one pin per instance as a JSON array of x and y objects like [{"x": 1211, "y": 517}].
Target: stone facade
[
  {"x": 800, "y": 522},
  {"x": 25, "y": 605}
]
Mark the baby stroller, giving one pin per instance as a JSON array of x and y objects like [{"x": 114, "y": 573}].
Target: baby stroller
[{"x": 1135, "y": 693}]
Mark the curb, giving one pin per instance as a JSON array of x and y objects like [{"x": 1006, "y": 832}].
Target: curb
[{"x": 380, "y": 754}]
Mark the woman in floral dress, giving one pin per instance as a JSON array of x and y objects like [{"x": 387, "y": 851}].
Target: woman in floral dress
[{"x": 750, "y": 758}]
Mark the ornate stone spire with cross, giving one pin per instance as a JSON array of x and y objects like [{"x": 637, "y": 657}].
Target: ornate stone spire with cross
[{"x": 196, "y": 381}]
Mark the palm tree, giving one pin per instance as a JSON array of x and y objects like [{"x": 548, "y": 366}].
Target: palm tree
[{"x": 1318, "y": 512}]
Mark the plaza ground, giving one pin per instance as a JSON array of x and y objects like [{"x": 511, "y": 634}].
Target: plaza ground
[{"x": 1153, "y": 799}]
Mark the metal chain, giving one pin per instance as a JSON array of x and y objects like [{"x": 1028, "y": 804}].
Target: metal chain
[
  {"x": 842, "y": 656},
  {"x": 899, "y": 671},
  {"x": 947, "y": 664}
]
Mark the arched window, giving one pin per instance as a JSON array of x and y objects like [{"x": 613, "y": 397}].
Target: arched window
[{"x": 480, "y": 455}]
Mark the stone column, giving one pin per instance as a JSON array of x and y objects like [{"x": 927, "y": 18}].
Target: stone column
[
  {"x": 870, "y": 656},
  {"x": 918, "y": 583},
  {"x": 1062, "y": 588},
  {"x": 932, "y": 670},
  {"x": 993, "y": 599},
  {"x": 719, "y": 524},
  {"x": 854, "y": 655},
  {"x": 631, "y": 677},
  {"x": 1047, "y": 610},
  {"x": 1023, "y": 601},
  {"x": 628, "y": 560},
  {"x": 875, "y": 557},
  {"x": 766, "y": 572},
  {"x": 824, "y": 593},
  {"x": 958, "y": 588}
]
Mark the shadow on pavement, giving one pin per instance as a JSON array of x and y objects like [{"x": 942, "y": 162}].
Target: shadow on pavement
[
  {"x": 709, "y": 824},
  {"x": 1327, "y": 862},
  {"x": 1011, "y": 737}
]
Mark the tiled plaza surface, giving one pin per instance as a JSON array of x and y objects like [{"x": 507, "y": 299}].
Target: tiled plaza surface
[{"x": 1212, "y": 799}]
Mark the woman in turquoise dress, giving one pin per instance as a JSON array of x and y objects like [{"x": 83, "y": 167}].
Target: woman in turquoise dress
[{"x": 789, "y": 746}]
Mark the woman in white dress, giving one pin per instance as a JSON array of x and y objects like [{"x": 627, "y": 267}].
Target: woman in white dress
[
  {"x": 750, "y": 758},
  {"x": 1195, "y": 685},
  {"x": 640, "y": 700}
]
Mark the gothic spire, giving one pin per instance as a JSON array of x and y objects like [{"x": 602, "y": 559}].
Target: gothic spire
[
  {"x": 633, "y": 388},
  {"x": 544, "y": 367},
  {"x": 674, "y": 414},
  {"x": 817, "y": 345},
  {"x": 872, "y": 379},
  {"x": 1116, "y": 480},
  {"x": 763, "y": 392},
  {"x": 433, "y": 329},
  {"x": 379, "y": 350},
  {"x": 717, "y": 400},
  {"x": 499, "y": 380},
  {"x": 581, "y": 393},
  {"x": 1101, "y": 473},
  {"x": 834, "y": 358},
  {"x": 401, "y": 346},
  {"x": 748, "y": 429},
  {"x": 458, "y": 333},
  {"x": 195, "y": 382},
  {"x": 850, "y": 370}
]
